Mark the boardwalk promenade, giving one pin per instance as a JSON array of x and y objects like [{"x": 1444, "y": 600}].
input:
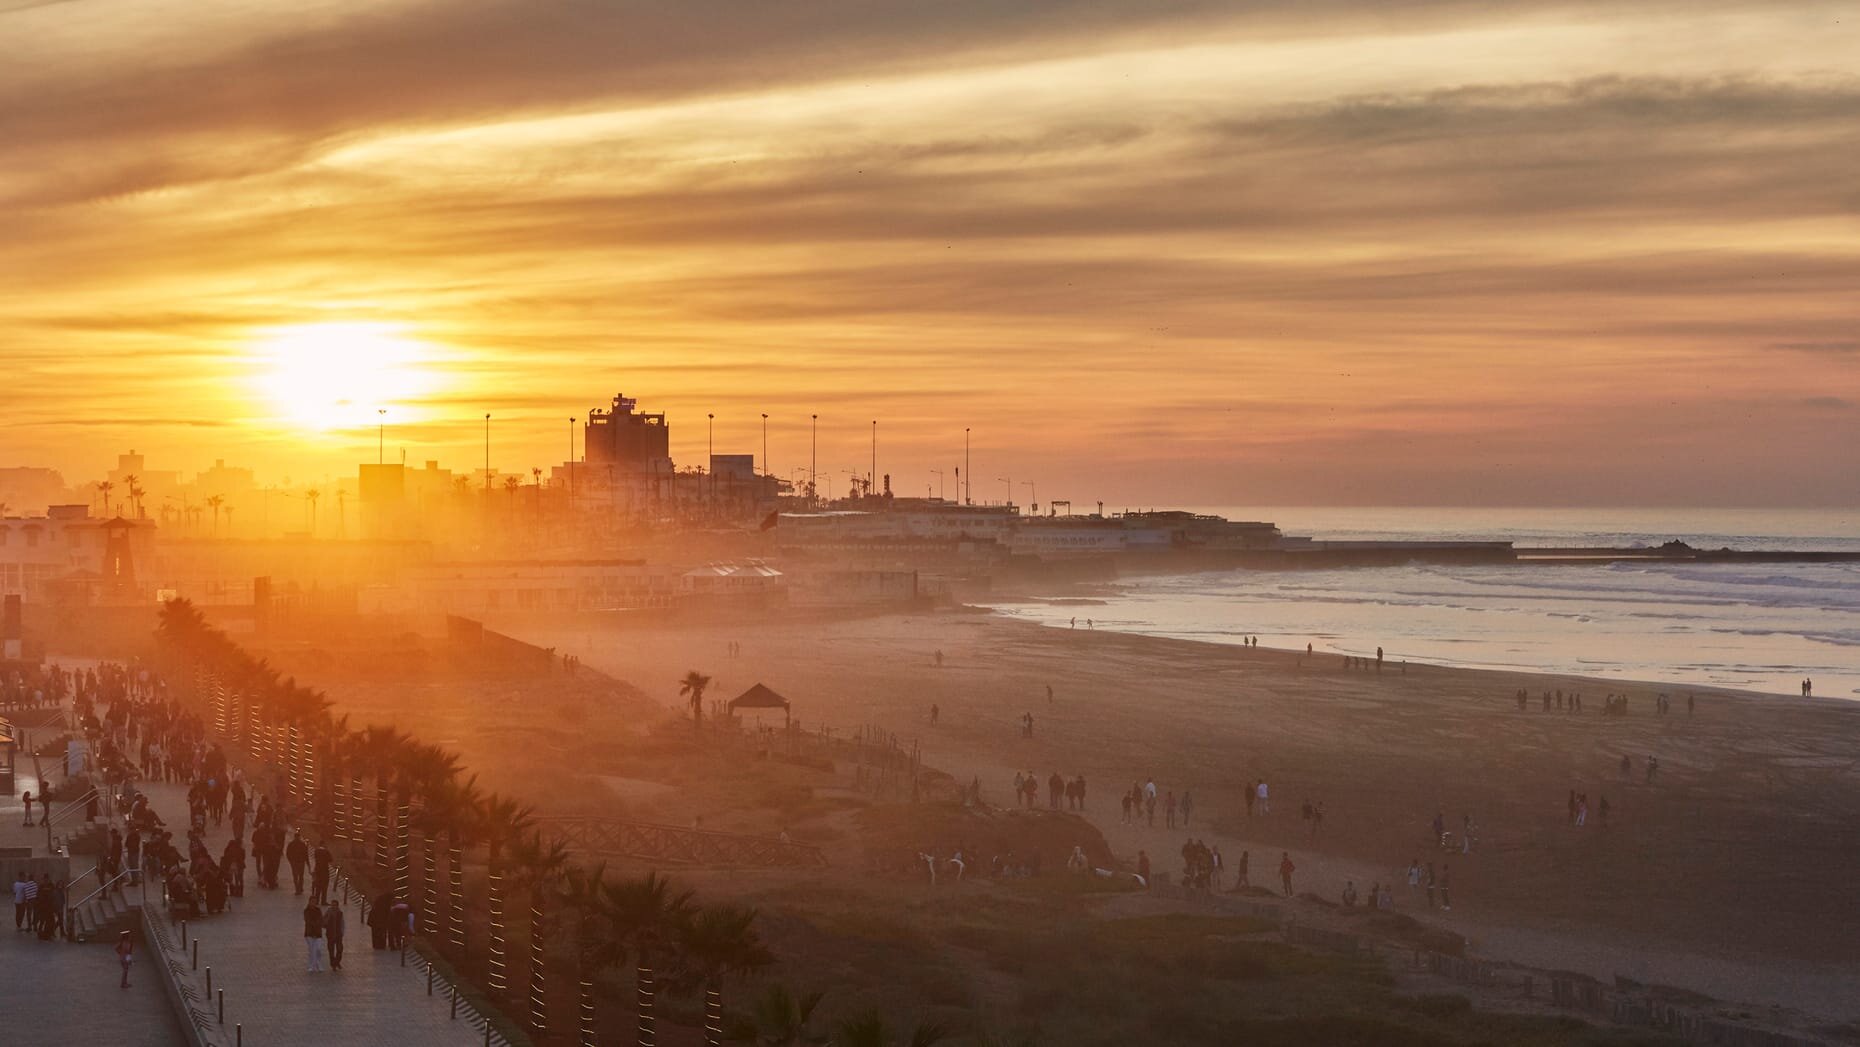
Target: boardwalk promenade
[{"x": 256, "y": 950}]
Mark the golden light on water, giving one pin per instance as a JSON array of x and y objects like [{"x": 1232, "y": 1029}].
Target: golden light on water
[{"x": 339, "y": 374}]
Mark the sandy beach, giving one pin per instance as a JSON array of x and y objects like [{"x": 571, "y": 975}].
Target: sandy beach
[{"x": 1717, "y": 877}]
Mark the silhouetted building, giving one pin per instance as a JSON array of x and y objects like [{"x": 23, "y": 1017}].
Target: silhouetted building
[{"x": 630, "y": 442}]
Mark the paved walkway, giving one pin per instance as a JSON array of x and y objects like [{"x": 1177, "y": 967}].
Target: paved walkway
[{"x": 256, "y": 950}]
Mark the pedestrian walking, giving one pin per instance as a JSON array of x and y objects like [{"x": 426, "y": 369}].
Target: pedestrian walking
[
  {"x": 319, "y": 873},
  {"x": 298, "y": 853},
  {"x": 1285, "y": 872},
  {"x": 313, "y": 938},
  {"x": 334, "y": 923},
  {"x": 1188, "y": 806},
  {"x": 125, "y": 955}
]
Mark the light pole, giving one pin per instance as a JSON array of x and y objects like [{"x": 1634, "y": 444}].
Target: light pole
[
  {"x": 813, "y": 463},
  {"x": 571, "y": 463},
  {"x": 766, "y": 471},
  {"x": 380, "y": 436},
  {"x": 710, "y": 461},
  {"x": 1010, "y": 490},
  {"x": 871, "y": 478},
  {"x": 1033, "y": 495},
  {"x": 968, "y": 493},
  {"x": 487, "y": 452},
  {"x": 939, "y": 483}
]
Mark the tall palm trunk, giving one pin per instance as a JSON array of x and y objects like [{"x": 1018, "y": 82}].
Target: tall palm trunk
[
  {"x": 584, "y": 998},
  {"x": 455, "y": 860},
  {"x": 713, "y": 1013},
  {"x": 539, "y": 1006},
  {"x": 358, "y": 838},
  {"x": 403, "y": 844},
  {"x": 495, "y": 884},
  {"x": 429, "y": 885},
  {"x": 381, "y": 822},
  {"x": 646, "y": 993}
]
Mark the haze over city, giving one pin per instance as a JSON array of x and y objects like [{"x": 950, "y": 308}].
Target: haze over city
[
  {"x": 563, "y": 523},
  {"x": 1336, "y": 253}
]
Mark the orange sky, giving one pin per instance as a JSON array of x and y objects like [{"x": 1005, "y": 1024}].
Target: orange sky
[{"x": 1330, "y": 251}]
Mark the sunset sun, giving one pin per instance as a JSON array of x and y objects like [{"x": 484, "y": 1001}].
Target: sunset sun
[{"x": 338, "y": 375}]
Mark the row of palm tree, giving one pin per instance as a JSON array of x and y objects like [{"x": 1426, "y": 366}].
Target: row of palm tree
[{"x": 421, "y": 792}]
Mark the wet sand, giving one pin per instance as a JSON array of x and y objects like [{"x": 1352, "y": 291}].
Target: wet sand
[{"x": 1732, "y": 874}]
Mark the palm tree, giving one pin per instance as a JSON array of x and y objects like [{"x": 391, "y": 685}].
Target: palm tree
[
  {"x": 381, "y": 748},
  {"x": 135, "y": 493},
  {"x": 582, "y": 892},
  {"x": 693, "y": 685},
  {"x": 424, "y": 770},
  {"x": 503, "y": 820},
  {"x": 310, "y": 498},
  {"x": 214, "y": 502},
  {"x": 714, "y": 944},
  {"x": 780, "y": 1018},
  {"x": 451, "y": 809},
  {"x": 539, "y": 867},
  {"x": 104, "y": 487},
  {"x": 869, "y": 1030},
  {"x": 644, "y": 918}
]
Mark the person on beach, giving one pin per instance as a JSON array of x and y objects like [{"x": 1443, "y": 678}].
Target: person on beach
[
  {"x": 1265, "y": 798},
  {"x": 1126, "y": 817},
  {"x": 1216, "y": 867},
  {"x": 1446, "y": 888},
  {"x": 934, "y": 713},
  {"x": 1250, "y": 797},
  {"x": 125, "y": 955},
  {"x": 1241, "y": 878},
  {"x": 1432, "y": 884},
  {"x": 1653, "y": 767},
  {"x": 1286, "y": 868},
  {"x": 1169, "y": 808},
  {"x": 1188, "y": 806},
  {"x": 1414, "y": 873},
  {"x": 1055, "y": 786},
  {"x": 27, "y": 798},
  {"x": 1602, "y": 810},
  {"x": 378, "y": 916}
]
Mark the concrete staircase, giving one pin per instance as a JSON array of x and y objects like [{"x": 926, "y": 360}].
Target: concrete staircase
[{"x": 101, "y": 918}]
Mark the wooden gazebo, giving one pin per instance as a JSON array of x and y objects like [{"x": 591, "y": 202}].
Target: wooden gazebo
[{"x": 761, "y": 697}]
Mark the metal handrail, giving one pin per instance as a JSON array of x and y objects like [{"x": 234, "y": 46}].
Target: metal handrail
[
  {"x": 99, "y": 890},
  {"x": 75, "y": 805},
  {"x": 72, "y": 908}
]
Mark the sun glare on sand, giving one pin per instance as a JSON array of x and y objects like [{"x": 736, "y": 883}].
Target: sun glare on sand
[{"x": 338, "y": 375}]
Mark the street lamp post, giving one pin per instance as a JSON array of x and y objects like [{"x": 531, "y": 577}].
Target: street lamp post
[
  {"x": 571, "y": 463},
  {"x": 871, "y": 478},
  {"x": 968, "y": 493},
  {"x": 939, "y": 483},
  {"x": 1010, "y": 489},
  {"x": 487, "y": 452},
  {"x": 380, "y": 436},
  {"x": 710, "y": 462},
  {"x": 813, "y": 463},
  {"x": 766, "y": 471}
]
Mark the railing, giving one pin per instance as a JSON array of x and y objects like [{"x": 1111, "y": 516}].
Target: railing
[
  {"x": 74, "y": 806},
  {"x": 71, "y": 909}
]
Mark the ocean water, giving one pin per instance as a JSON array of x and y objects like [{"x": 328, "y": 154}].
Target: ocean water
[{"x": 1761, "y": 627}]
